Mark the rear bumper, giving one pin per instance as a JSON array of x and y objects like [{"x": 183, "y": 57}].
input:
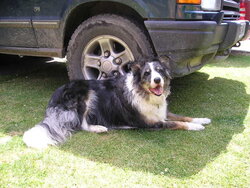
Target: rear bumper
[{"x": 191, "y": 44}]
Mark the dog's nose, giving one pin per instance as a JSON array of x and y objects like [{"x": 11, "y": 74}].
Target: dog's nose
[{"x": 157, "y": 80}]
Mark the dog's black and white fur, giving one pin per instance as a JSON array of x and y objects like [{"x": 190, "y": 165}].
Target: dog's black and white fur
[{"x": 135, "y": 100}]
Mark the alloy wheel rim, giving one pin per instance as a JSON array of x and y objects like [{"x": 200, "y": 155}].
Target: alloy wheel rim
[{"x": 105, "y": 56}]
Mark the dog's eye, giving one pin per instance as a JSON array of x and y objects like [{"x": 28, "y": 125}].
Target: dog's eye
[
  {"x": 147, "y": 73},
  {"x": 159, "y": 69}
]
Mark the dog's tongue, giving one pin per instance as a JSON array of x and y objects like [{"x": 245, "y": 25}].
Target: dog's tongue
[{"x": 157, "y": 90}]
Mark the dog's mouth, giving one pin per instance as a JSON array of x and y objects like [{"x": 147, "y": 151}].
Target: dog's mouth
[{"x": 158, "y": 90}]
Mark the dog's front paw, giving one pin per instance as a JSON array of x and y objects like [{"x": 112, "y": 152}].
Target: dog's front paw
[
  {"x": 195, "y": 127},
  {"x": 203, "y": 121},
  {"x": 98, "y": 129}
]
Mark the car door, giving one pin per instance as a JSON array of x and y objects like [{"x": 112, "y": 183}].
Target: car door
[
  {"x": 46, "y": 22},
  {"x": 15, "y": 24}
]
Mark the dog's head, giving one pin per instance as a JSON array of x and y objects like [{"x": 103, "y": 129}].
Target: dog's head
[{"x": 152, "y": 76}]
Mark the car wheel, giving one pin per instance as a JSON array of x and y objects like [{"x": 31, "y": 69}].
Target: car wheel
[{"x": 102, "y": 46}]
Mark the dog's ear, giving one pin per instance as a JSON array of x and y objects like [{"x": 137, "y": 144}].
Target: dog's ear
[
  {"x": 168, "y": 74},
  {"x": 166, "y": 63},
  {"x": 134, "y": 67}
]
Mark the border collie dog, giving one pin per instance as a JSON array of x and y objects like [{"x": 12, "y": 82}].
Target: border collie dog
[{"x": 133, "y": 101}]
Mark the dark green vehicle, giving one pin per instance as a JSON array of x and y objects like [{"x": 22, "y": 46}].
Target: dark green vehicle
[{"x": 100, "y": 37}]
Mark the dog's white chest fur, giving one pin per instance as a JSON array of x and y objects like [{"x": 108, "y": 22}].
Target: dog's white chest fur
[{"x": 154, "y": 109}]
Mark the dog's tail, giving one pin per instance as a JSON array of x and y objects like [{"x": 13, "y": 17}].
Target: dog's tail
[
  {"x": 53, "y": 130},
  {"x": 38, "y": 137}
]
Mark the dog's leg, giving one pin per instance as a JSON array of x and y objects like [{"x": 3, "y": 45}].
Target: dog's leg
[
  {"x": 180, "y": 125},
  {"x": 93, "y": 128},
  {"x": 174, "y": 117}
]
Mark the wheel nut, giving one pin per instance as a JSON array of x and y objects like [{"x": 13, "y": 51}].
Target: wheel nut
[
  {"x": 99, "y": 63},
  {"x": 104, "y": 75},
  {"x": 107, "y": 54},
  {"x": 118, "y": 60},
  {"x": 115, "y": 73}
]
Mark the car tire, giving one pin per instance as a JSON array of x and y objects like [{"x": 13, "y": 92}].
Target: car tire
[{"x": 102, "y": 46}]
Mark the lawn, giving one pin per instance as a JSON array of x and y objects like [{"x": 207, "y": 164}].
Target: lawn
[{"x": 219, "y": 156}]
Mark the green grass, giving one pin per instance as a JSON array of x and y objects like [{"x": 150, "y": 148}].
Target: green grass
[{"x": 219, "y": 156}]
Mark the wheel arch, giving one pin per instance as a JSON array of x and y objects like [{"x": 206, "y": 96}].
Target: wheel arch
[{"x": 83, "y": 11}]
